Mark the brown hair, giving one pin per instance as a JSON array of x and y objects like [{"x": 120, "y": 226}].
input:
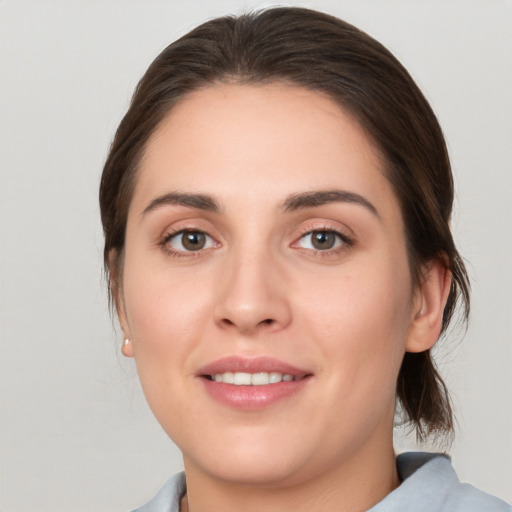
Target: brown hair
[{"x": 322, "y": 53}]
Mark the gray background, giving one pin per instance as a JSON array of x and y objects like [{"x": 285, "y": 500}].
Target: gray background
[{"x": 75, "y": 431}]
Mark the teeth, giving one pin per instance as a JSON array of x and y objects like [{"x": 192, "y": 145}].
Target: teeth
[
  {"x": 275, "y": 377},
  {"x": 252, "y": 379},
  {"x": 260, "y": 379},
  {"x": 227, "y": 378},
  {"x": 242, "y": 379}
]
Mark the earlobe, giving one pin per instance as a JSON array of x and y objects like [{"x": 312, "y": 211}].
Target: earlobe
[
  {"x": 430, "y": 301},
  {"x": 127, "y": 347},
  {"x": 116, "y": 294}
]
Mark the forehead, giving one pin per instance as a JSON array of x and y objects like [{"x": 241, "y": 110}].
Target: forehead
[{"x": 260, "y": 141}]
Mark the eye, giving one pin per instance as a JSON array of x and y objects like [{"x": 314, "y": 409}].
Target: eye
[
  {"x": 322, "y": 240},
  {"x": 189, "y": 241}
]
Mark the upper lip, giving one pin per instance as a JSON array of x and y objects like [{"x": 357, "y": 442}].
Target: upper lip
[{"x": 251, "y": 365}]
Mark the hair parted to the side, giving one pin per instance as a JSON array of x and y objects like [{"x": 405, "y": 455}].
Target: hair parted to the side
[{"x": 314, "y": 50}]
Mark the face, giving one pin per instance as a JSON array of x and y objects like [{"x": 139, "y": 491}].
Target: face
[{"x": 266, "y": 287}]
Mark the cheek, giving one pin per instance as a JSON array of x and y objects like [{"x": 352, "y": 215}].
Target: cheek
[
  {"x": 165, "y": 313},
  {"x": 361, "y": 321},
  {"x": 166, "y": 326},
  {"x": 158, "y": 296}
]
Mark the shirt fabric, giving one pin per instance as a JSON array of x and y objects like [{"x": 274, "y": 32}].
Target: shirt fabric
[{"x": 429, "y": 484}]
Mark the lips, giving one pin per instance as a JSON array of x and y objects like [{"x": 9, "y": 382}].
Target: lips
[{"x": 252, "y": 383}]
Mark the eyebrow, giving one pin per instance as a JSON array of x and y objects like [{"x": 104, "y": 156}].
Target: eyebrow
[
  {"x": 198, "y": 201},
  {"x": 319, "y": 198},
  {"x": 292, "y": 203}
]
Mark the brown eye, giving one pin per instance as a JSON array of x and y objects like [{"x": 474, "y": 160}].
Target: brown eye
[
  {"x": 193, "y": 241},
  {"x": 188, "y": 241},
  {"x": 322, "y": 240}
]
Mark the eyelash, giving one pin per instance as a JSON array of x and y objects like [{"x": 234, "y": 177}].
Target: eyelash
[
  {"x": 164, "y": 243},
  {"x": 346, "y": 242}
]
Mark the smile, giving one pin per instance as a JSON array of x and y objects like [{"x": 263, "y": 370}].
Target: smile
[
  {"x": 252, "y": 384},
  {"x": 252, "y": 379}
]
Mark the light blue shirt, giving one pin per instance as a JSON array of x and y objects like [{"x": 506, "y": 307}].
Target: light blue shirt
[{"x": 429, "y": 484}]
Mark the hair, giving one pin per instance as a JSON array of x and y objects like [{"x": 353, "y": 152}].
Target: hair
[{"x": 305, "y": 48}]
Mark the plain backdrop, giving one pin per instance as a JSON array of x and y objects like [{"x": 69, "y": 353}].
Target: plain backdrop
[{"x": 76, "y": 434}]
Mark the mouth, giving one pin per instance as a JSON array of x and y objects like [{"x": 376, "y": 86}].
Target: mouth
[
  {"x": 251, "y": 384},
  {"x": 253, "y": 379}
]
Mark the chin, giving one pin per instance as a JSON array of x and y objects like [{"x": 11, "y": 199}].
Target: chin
[
  {"x": 249, "y": 460},
  {"x": 256, "y": 472}
]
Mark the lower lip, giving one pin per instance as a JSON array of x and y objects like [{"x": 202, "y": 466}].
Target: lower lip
[{"x": 252, "y": 398}]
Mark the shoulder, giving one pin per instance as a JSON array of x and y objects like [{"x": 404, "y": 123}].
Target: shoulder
[
  {"x": 169, "y": 496},
  {"x": 430, "y": 484}
]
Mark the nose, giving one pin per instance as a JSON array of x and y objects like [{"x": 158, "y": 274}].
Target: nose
[{"x": 253, "y": 295}]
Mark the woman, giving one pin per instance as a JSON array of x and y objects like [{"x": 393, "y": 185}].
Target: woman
[{"x": 276, "y": 209}]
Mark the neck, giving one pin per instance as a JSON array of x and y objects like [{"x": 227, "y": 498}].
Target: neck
[{"x": 354, "y": 486}]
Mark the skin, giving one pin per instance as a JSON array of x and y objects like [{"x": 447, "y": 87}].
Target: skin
[{"x": 259, "y": 287}]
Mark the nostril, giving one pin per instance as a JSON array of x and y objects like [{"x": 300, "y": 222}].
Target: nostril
[
  {"x": 267, "y": 321},
  {"x": 226, "y": 322}
]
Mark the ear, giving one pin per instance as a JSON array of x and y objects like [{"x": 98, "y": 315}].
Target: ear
[
  {"x": 116, "y": 293},
  {"x": 430, "y": 300},
  {"x": 127, "y": 348}
]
